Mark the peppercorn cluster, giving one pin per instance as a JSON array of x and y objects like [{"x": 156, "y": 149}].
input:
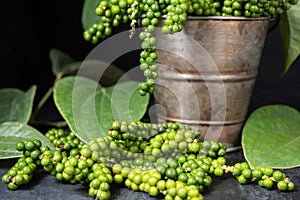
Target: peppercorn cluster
[{"x": 165, "y": 159}]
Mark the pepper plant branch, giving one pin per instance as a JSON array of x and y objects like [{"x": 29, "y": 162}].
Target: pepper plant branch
[{"x": 58, "y": 124}]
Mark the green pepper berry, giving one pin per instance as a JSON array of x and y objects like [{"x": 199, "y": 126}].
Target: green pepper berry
[
  {"x": 247, "y": 173},
  {"x": 118, "y": 178},
  {"x": 236, "y": 171},
  {"x": 161, "y": 185},
  {"x": 257, "y": 173},
  {"x": 104, "y": 186},
  {"x": 182, "y": 192},
  {"x": 85, "y": 152},
  {"x": 207, "y": 181},
  {"x": 172, "y": 191},
  {"x": 95, "y": 183},
  {"x": 37, "y": 143},
  {"x": 28, "y": 170},
  {"x": 20, "y": 146},
  {"x": 282, "y": 185},
  {"x": 35, "y": 154},
  {"x": 69, "y": 170},
  {"x": 46, "y": 161},
  {"x": 12, "y": 186},
  {"x": 278, "y": 175},
  {"x": 5, "y": 178},
  {"x": 18, "y": 179},
  {"x": 221, "y": 161},
  {"x": 268, "y": 171},
  {"x": 291, "y": 186},
  {"x": 29, "y": 145},
  {"x": 268, "y": 183},
  {"x": 218, "y": 171},
  {"x": 241, "y": 179}
]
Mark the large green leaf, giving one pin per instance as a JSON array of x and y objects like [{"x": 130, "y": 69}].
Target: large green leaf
[
  {"x": 89, "y": 109},
  {"x": 16, "y": 105},
  {"x": 271, "y": 137},
  {"x": 60, "y": 61},
  {"x": 12, "y": 132},
  {"x": 290, "y": 35},
  {"x": 89, "y": 17}
]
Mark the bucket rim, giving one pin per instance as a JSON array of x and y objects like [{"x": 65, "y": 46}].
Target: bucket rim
[
  {"x": 223, "y": 18},
  {"x": 229, "y": 18}
]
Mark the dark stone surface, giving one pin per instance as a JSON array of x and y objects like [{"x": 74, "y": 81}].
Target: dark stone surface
[{"x": 46, "y": 187}]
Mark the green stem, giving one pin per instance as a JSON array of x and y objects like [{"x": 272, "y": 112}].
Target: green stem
[
  {"x": 45, "y": 98},
  {"x": 58, "y": 124},
  {"x": 41, "y": 103}
]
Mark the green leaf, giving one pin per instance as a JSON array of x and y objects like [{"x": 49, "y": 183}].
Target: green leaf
[
  {"x": 290, "y": 35},
  {"x": 89, "y": 109},
  {"x": 12, "y": 132},
  {"x": 271, "y": 137},
  {"x": 16, "y": 105},
  {"x": 89, "y": 17},
  {"x": 60, "y": 61}
]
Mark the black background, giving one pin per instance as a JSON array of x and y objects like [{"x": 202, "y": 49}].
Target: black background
[{"x": 29, "y": 29}]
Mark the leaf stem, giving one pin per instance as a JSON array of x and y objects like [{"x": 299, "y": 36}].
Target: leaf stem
[
  {"x": 58, "y": 124},
  {"x": 41, "y": 103},
  {"x": 45, "y": 98}
]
